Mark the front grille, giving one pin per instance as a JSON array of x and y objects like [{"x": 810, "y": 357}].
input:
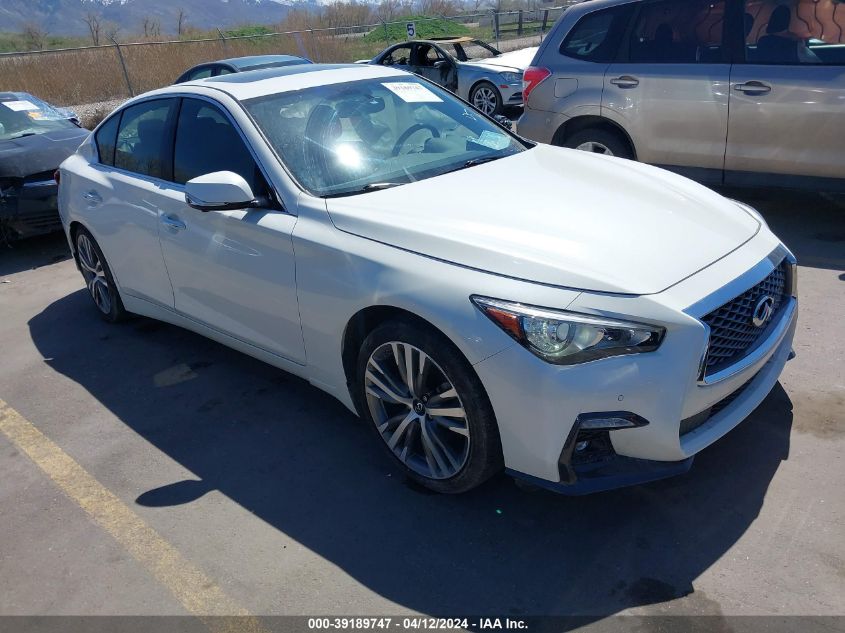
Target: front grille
[{"x": 732, "y": 333}]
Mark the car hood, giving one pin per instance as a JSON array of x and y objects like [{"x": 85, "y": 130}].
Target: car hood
[
  {"x": 556, "y": 216},
  {"x": 21, "y": 157},
  {"x": 516, "y": 61}
]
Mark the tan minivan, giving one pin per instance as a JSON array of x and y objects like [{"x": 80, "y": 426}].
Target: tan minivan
[{"x": 735, "y": 92}]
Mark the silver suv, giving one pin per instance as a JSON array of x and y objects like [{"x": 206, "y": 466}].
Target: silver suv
[{"x": 735, "y": 92}]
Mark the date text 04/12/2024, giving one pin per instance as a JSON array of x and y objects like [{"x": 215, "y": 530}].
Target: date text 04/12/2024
[{"x": 414, "y": 623}]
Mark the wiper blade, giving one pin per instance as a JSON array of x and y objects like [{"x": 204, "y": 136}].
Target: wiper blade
[
  {"x": 478, "y": 161},
  {"x": 472, "y": 162},
  {"x": 373, "y": 186}
]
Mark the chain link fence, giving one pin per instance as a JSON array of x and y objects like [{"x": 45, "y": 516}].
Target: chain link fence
[{"x": 88, "y": 76}]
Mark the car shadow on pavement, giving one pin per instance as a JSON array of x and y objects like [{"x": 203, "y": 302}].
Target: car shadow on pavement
[
  {"x": 33, "y": 253},
  {"x": 301, "y": 462}
]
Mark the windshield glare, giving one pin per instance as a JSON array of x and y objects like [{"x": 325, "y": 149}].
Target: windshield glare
[
  {"x": 357, "y": 136},
  {"x": 24, "y": 115}
]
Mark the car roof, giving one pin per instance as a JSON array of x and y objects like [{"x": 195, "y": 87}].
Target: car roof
[
  {"x": 259, "y": 60},
  {"x": 463, "y": 39},
  {"x": 266, "y": 81}
]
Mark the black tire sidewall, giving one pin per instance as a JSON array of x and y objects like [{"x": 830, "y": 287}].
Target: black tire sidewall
[
  {"x": 117, "y": 312},
  {"x": 612, "y": 141},
  {"x": 487, "y": 84},
  {"x": 485, "y": 451}
]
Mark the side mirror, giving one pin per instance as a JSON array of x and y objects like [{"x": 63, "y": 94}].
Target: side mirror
[
  {"x": 219, "y": 191},
  {"x": 440, "y": 63}
]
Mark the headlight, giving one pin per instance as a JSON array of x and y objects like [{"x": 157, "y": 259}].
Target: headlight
[
  {"x": 511, "y": 78},
  {"x": 567, "y": 338}
]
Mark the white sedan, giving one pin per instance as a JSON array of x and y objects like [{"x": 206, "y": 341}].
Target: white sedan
[{"x": 357, "y": 226}]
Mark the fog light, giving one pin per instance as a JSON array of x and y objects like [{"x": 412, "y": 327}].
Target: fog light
[{"x": 610, "y": 421}]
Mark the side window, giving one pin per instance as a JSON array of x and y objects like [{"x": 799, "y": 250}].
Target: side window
[
  {"x": 207, "y": 142},
  {"x": 793, "y": 33},
  {"x": 431, "y": 56},
  {"x": 678, "y": 32},
  {"x": 201, "y": 73},
  {"x": 143, "y": 140},
  {"x": 106, "y": 140},
  {"x": 399, "y": 56},
  {"x": 596, "y": 36}
]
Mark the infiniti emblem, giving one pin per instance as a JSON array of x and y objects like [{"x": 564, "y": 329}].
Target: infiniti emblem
[{"x": 763, "y": 311}]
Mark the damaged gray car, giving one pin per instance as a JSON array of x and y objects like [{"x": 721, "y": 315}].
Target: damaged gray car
[{"x": 35, "y": 138}]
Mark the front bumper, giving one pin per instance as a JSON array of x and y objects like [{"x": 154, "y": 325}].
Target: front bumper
[
  {"x": 538, "y": 405},
  {"x": 30, "y": 209},
  {"x": 511, "y": 93}
]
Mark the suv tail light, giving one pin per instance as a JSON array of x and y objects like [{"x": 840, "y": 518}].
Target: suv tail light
[{"x": 531, "y": 78}]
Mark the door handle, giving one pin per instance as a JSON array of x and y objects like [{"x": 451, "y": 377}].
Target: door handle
[
  {"x": 755, "y": 87},
  {"x": 173, "y": 223},
  {"x": 625, "y": 81},
  {"x": 92, "y": 197}
]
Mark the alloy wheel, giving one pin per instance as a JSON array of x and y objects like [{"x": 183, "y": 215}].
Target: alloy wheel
[
  {"x": 595, "y": 147},
  {"x": 417, "y": 410},
  {"x": 93, "y": 273},
  {"x": 485, "y": 99}
]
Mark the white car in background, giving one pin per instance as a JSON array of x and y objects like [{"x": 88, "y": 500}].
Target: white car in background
[
  {"x": 348, "y": 224},
  {"x": 475, "y": 71}
]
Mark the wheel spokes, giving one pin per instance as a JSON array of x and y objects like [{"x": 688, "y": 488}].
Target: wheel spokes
[{"x": 417, "y": 410}]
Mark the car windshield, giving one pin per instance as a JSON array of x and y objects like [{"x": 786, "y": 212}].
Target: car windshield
[
  {"x": 475, "y": 49},
  {"x": 24, "y": 115},
  {"x": 358, "y": 136}
]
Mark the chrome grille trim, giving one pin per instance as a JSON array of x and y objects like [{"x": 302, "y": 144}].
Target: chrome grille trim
[{"x": 732, "y": 335}]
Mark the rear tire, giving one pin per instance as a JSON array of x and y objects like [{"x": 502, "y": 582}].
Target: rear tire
[
  {"x": 98, "y": 277},
  {"x": 439, "y": 426},
  {"x": 600, "y": 141}
]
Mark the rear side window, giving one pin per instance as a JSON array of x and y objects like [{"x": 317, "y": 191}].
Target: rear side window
[
  {"x": 596, "y": 36},
  {"x": 143, "y": 140},
  {"x": 106, "y": 139},
  {"x": 794, "y": 33},
  {"x": 678, "y": 32},
  {"x": 206, "y": 142}
]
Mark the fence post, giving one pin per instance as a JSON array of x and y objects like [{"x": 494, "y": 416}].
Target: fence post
[
  {"x": 496, "y": 27},
  {"x": 223, "y": 37},
  {"x": 545, "y": 20},
  {"x": 519, "y": 28},
  {"x": 313, "y": 47},
  {"x": 123, "y": 65},
  {"x": 386, "y": 32}
]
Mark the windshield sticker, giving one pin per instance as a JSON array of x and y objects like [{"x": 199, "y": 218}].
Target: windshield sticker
[
  {"x": 20, "y": 106},
  {"x": 493, "y": 140},
  {"x": 412, "y": 92}
]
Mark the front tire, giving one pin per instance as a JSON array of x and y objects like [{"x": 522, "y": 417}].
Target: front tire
[
  {"x": 428, "y": 407},
  {"x": 486, "y": 97},
  {"x": 98, "y": 277}
]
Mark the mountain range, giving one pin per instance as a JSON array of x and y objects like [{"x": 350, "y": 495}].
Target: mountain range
[{"x": 67, "y": 17}]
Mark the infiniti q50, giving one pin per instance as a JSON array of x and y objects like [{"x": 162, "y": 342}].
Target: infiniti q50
[{"x": 348, "y": 224}]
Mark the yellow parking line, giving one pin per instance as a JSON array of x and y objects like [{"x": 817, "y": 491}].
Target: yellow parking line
[{"x": 200, "y": 595}]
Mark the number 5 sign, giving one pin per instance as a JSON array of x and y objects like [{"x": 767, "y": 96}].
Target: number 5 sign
[{"x": 412, "y": 30}]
